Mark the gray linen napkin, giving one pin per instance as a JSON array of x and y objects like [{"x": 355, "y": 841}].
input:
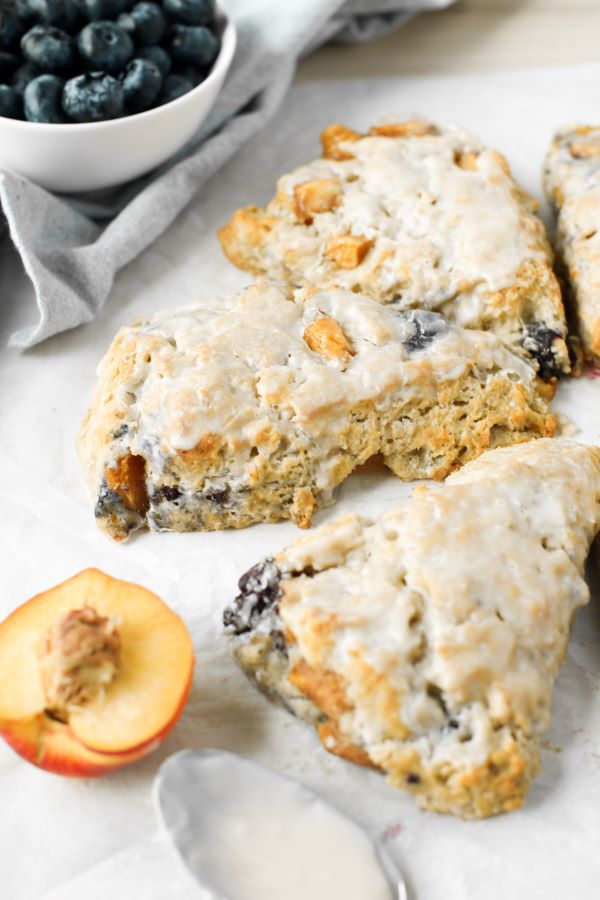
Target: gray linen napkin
[{"x": 72, "y": 248}]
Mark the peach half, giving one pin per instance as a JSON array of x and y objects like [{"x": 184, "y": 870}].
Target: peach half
[{"x": 93, "y": 675}]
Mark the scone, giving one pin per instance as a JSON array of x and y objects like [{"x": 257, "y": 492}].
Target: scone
[
  {"x": 426, "y": 643},
  {"x": 572, "y": 179},
  {"x": 253, "y": 408},
  {"x": 418, "y": 216}
]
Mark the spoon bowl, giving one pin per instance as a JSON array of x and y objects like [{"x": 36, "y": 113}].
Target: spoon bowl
[{"x": 246, "y": 832}]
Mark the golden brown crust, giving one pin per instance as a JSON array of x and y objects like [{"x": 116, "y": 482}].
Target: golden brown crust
[
  {"x": 413, "y": 215},
  {"x": 333, "y": 137}
]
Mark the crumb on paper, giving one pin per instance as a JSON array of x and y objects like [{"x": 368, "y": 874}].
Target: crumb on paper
[{"x": 565, "y": 427}]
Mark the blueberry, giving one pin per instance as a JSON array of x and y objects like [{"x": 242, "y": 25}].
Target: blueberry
[
  {"x": 60, "y": 13},
  {"x": 193, "y": 46},
  {"x": 419, "y": 328},
  {"x": 142, "y": 82},
  {"x": 145, "y": 24},
  {"x": 190, "y": 73},
  {"x": 11, "y": 29},
  {"x": 190, "y": 12},
  {"x": 8, "y": 64},
  {"x": 49, "y": 48},
  {"x": 539, "y": 340},
  {"x": 95, "y": 10},
  {"x": 23, "y": 76},
  {"x": 158, "y": 56},
  {"x": 105, "y": 46},
  {"x": 11, "y": 104},
  {"x": 174, "y": 86},
  {"x": 92, "y": 98},
  {"x": 42, "y": 99},
  {"x": 260, "y": 591}
]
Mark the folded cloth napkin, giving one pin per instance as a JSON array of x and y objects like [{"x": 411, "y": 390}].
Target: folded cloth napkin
[{"x": 72, "y": 248}]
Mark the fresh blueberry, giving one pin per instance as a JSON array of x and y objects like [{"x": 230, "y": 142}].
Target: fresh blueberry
[
  {"x": 190, "y": 73},
  {"x": 11, "y": 104},
  {"x": 193, "y": 46},
  {"x": 145, "y": 24},
  {"x": 157, "y": 55},
  {"x": 95, "y": 10},
  {"x": 92, "y": 98},
  {"x": 105, "y": 46},
  {"x": 60, "y": 13},
  {"x": 49, "y": 48},
  {"x": 11, "y": 29},
  {"x": 8, "y": 64},
  {"x": 142, "y": 81},
  {"x": 174, "y": 86},
  {"x": 42, "y": 99},
  {"x": 190, "y": 12},
  {"x": 23, "y": 76}
]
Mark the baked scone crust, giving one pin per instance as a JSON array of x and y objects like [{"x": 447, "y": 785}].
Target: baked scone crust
[
  {"x": 426, "y": 643},
  {"x": 418, "y": 216},
  {"x": 253, "y": 408},
  {"x": 572, "y": 181}
]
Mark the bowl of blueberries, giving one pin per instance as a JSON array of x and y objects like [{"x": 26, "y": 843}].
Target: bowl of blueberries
[{"x": 94, "y": 93}]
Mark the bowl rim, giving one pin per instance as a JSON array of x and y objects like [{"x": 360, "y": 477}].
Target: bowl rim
[{"x": 220, "y": 66}]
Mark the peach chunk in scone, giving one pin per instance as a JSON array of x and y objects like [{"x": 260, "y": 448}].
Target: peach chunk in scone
[{"x": 94, "y": 673}]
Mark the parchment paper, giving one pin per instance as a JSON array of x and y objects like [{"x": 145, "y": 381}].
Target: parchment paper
[{"x": 62, "y": 839}]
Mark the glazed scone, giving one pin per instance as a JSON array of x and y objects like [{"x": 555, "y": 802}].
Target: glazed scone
[
  {"x": 572, "y": 180},
  {"x": 417, "y": 216},
  {"x": 253, "y": 408},
  {"x": 426, "y": 643}
]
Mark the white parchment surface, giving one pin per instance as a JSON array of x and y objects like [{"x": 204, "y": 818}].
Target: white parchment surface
[{"x": 64, "y": 839}]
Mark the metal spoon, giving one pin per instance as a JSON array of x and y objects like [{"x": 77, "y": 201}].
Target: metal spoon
[{"x": 210, "y": 803}]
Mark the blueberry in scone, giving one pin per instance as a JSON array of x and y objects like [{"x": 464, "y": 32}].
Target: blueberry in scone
[
  {"x": 413, "y": 215},
  {"x": 572, "y": 180},
  {"x": 254, "y": 408},
  {"x": 426, "y": 643}
]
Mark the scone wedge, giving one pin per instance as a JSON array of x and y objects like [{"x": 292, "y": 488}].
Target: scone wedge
[
  {"x": 253, "y": 408},
  {"x": 572, "y": 180},
  {"x": 426, "y": 643},
  {"x": 415, "y": 215}
]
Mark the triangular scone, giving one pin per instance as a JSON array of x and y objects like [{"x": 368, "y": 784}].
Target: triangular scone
[
  {"x": 572, "y": 180},
  {"x": 427, "y": 643},
  {"x": 253, "y": 408},
  {"x": 415, "y": 215}
]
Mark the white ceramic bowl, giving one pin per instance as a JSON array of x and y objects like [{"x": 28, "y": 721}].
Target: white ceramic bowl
[{"x": 92, "y": 155}]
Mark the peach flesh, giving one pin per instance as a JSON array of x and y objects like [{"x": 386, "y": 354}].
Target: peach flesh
[{"x": 139, "y": 708}]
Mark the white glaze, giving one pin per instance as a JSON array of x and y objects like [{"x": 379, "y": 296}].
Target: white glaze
[{"x": 250, "y": 834}]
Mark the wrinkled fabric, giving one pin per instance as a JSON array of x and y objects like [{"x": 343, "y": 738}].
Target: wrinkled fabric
[{"x": 72, "y": 248}]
